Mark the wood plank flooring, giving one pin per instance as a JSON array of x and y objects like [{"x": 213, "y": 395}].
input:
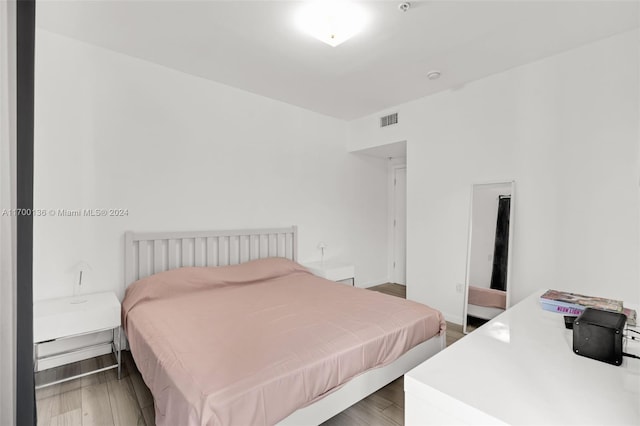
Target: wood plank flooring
[
  {"x": 102, "y": 399},
  {"x": 98, "y": 399}
]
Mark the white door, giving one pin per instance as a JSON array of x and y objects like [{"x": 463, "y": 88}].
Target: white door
[{"x": 400, "y": 226}]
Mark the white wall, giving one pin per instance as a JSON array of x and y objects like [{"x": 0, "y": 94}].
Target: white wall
[
  {"x": 566, "y": 129},
  {"x": 183, "y": 153}
]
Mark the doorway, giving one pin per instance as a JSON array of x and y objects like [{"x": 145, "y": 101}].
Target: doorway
[{"x": 399, "y": 225}]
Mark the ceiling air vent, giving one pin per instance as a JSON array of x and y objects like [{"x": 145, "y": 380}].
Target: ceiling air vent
[{"x": 388, "y": 120}]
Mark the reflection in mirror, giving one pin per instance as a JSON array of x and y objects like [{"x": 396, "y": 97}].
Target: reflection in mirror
[{"x": 488, "y": 254}]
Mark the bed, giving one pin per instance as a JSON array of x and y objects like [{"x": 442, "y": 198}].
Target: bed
[
  {"x": 226, "y": 328},
  {"x": 486, "y": 303}
]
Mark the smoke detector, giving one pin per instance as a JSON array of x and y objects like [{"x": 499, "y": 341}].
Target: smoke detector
[
  {"x": 433, "y": 75},
  {"x": 404, "y": 6}
]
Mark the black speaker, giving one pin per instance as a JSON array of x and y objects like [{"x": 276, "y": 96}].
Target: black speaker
[{"x": 597, "y": 334}]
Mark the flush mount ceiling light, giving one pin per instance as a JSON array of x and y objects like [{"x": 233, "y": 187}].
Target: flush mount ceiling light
[{"x": 332, "y": 22}]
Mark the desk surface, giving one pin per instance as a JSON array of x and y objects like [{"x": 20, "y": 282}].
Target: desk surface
[{"x": 520, "y": 369}]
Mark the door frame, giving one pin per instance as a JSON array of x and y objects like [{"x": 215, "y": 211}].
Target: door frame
[{"x": 391, "y": 217}]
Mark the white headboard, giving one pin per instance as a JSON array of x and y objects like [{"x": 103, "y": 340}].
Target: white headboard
[{"x": 148, "y": 253}]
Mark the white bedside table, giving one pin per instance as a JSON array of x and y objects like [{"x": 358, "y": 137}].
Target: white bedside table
[
  {"x": 332, "y": 270},
  {"x": 69, "y": 317}
]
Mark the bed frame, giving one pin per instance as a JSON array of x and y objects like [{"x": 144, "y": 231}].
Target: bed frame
[
  {"x": 152, "y": 252},
  {"x": 483, "y": 312},
  {"x": 148, "y": 253}
]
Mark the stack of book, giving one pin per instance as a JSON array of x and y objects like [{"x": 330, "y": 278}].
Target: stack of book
[
  {"x": 632, "y": 316},
  {"x": 572, "y": 304}
]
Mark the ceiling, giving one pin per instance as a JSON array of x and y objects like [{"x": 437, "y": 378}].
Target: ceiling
[{"x": 255, "y": 45}]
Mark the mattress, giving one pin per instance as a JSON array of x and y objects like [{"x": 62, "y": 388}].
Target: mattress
[{"x": 249, "y": 344}]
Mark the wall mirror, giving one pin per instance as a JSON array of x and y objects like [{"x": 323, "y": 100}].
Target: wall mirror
[{"x": 487, "y": 286}]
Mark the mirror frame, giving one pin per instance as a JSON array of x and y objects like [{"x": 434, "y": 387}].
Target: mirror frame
[{"x": 512, "y": 182}]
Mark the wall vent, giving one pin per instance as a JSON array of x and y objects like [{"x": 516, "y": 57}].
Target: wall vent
[{"x": 388, "y": 120}]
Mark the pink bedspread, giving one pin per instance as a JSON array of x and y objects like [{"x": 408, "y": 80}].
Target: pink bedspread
[
  {"x": 487, "y": 297},
  {"x": 249, "y": 344}
]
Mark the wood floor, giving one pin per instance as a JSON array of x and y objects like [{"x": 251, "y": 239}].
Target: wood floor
[
  {"x": 102, "y": 399},
  {"x": 98, "y": 399}
]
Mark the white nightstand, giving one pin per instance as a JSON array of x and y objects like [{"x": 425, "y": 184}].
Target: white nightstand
[
  {"x": 70, "y": 317},
  {"x": 333, "y": 270}
]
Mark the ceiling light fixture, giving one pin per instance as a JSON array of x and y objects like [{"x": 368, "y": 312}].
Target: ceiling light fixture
[{"x": 332, "y": 22}]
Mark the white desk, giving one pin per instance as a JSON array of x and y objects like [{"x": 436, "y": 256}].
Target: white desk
[{"x": 520, "y": 369}]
